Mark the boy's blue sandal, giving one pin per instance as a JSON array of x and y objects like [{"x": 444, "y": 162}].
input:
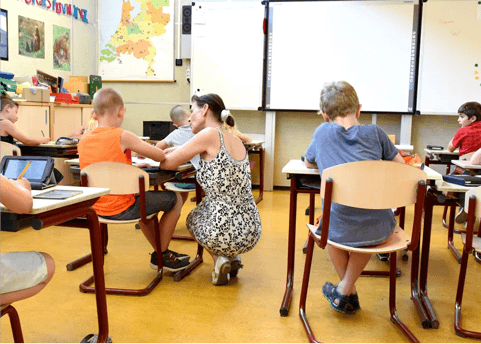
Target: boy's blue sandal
[
  {"x": 354, "y": 301},
  {"x": 343, "y": 305},
  {"x": 327, "y": 289}
]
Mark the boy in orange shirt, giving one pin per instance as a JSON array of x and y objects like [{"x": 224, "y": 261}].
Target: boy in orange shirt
[{"x": 108, "y": 142}]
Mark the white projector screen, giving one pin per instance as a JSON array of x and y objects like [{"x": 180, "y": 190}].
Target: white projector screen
[{"x": 373, "y": 45}]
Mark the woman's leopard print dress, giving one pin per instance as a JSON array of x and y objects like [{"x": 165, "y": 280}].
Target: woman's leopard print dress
[{"x": 226, "y": 222}]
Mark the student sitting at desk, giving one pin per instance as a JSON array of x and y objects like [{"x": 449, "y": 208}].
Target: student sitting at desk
[
  {"x": 226, "y": 223},
  {"x": 26, "y": 271},
  {"x": 467, "y": 139},
  {"x": 341, "y": 140},
  {"x": 108, "y": 142},
  {"x": 8, "y": 131}
]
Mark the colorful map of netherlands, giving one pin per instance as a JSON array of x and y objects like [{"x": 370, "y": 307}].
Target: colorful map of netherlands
[{"x": 133, "y": 36}]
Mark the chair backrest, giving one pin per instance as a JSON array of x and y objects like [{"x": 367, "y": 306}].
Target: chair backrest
[
  {"x": 8, "y": 149},
  {"x": 373, "y": 184},
  {"x": 121, "y": 179},
  {"x": 466, "y": 156},
  {"x": 473, "y": 192}
]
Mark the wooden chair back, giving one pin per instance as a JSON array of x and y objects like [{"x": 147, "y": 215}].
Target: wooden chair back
[
  {"x": 373, "y": 184},
  {"x": 8, "y": 149},
  {"x": 121, "y": 179}
]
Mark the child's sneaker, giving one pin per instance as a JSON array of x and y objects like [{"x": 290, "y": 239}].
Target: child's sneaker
[
  {"x": 235, "y": 264},
  {"x": 170, "y": 262},
  {"x": 222, "y": 267},
  {"x": 179, "y": 256}
]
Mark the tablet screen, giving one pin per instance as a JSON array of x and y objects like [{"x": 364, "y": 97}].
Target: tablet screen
[{"x": 15, "y": 167}]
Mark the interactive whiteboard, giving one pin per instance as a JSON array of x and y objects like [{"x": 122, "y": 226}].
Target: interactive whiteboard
[
  {"x": 450, "y": 56},
  {"x": 373, "y": 45}
]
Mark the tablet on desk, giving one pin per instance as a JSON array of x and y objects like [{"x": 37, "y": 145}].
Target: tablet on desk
[
  {"x": 39, "y": 173},
  {"x": 58, "y": 194}
]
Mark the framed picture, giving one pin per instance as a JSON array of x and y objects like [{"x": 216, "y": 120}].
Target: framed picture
[
  {"x": 3, "y": 34},
  {"x": 31, "y": 37}
]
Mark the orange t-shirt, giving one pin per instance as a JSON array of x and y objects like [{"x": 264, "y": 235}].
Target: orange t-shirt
[{"x": 103, "y": 144}]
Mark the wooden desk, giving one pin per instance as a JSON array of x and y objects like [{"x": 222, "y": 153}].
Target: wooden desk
[
  {"x": 464, "y": 164},
  {"x": 419, "y": 265},
  {"x": 294, "y": 170},
  {"x": 255, "y": 147},
  {"x": 49, "y": 149},
  {"x": 440, "y": 157},
  {"x": 57, "y": 213}
]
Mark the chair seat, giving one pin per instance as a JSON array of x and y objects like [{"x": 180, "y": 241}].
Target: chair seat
[
  {"x": 399, "y": 240},
  {"x": 476, "y": 242},
  {"x": 104, "y": 220}
]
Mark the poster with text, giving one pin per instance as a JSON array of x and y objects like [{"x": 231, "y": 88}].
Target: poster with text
[
  {"x": 61, "y": 48},
  {"x": 31, "y": 37},
  {"x": 136, "y": 40}
]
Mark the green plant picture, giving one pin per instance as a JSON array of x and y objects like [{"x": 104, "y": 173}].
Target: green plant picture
[
  {"x": 61, "y": 48},
  {"x": 31, "y": 37}
]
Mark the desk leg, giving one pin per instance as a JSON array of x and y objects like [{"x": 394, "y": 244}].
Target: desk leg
[
  {"x": 97, "y": 262},
  {"x": 423, "y": 272},
  {"x": 286, "y": 302},
  {"x": 415, "y": 293},
  {"x": 261, "y": 175},
  {"x": 451, "y": 247}
]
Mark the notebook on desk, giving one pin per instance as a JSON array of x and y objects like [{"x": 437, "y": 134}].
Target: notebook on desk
[{"x": 463, "y": 180}]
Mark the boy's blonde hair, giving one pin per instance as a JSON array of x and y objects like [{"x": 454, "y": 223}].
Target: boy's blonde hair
[
  {"x": 107, "y": 100},
  {"x": 178, "y": 114},
  {"x": 338, "y": 99}
]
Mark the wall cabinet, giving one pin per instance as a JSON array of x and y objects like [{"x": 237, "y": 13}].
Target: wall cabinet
[{"x": 33, "y": 120}]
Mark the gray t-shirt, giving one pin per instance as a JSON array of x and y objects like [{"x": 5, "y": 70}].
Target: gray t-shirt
[
  {"x": 180, "y": 136},
  {"x": 333, "y": 145}
]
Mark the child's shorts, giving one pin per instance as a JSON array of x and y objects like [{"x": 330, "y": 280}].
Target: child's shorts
[{"x": 155, "y": 202}]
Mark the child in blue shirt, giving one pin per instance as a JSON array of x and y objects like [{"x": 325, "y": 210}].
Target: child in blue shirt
[{"x": 341, "y": 140}]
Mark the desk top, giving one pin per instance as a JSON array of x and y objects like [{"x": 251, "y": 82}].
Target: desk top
[
  {"x": 298, "y": 167},
  {"x": 43, "y": 205},
  {"x": 406, "y": 148},
  {"x": 442, "y": 151},
  {"x": 137, "y": 161},
  {"x": 253, "y": 144},
  {"x": 465, "y": 164},
  {"x": 51, "y": 144}
]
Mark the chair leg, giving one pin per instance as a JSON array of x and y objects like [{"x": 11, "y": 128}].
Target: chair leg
[
  {"x": 392, "y": 300},
  {"x": 14, "y": 323},
  {"x": 85, "y": 286},
  {"x": 305, "y": 285},
  {"x": 459, "y": 299},
  {"x": 88, "y": 258},
  {"x": 445, "y": 212},
  {"x": 451, "y": 247},
  {"x": 178, "y": 276}
]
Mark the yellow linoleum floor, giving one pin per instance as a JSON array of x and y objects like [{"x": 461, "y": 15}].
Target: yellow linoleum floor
[{"x": 246, "y": 310}]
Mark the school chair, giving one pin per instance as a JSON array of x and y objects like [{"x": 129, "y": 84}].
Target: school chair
[
  {"x": 121, "y": 179},
  {"x": 6, "y": 306},
  {"x": 471, "y": 244},
  {"x": 452, "y": 217},
  {"x": 369, "y": 185},
  {"x": 7, "y": 149}
]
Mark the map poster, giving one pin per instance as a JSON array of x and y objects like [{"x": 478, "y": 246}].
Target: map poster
[
  {"x": 136, "y": 40},
  {"x": 61, "y": 48}
]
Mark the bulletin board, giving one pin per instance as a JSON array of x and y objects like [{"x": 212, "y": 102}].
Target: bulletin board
[
  {"x": 227, "y": 52},
  {"x": 450, "y": 64}
]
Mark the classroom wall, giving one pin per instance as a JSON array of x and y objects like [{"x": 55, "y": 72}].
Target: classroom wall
[
  {"x": 153, "y": 101},
  {"x": 82, "y": 36}
]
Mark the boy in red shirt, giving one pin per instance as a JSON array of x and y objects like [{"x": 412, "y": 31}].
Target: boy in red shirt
[{"x": 467, "y": 138}]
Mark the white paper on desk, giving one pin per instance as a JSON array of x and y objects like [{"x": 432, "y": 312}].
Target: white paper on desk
[{"x": 152, "y": 163}]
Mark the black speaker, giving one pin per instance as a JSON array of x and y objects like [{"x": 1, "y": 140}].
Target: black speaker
[{"x": 186, "y": 19}]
